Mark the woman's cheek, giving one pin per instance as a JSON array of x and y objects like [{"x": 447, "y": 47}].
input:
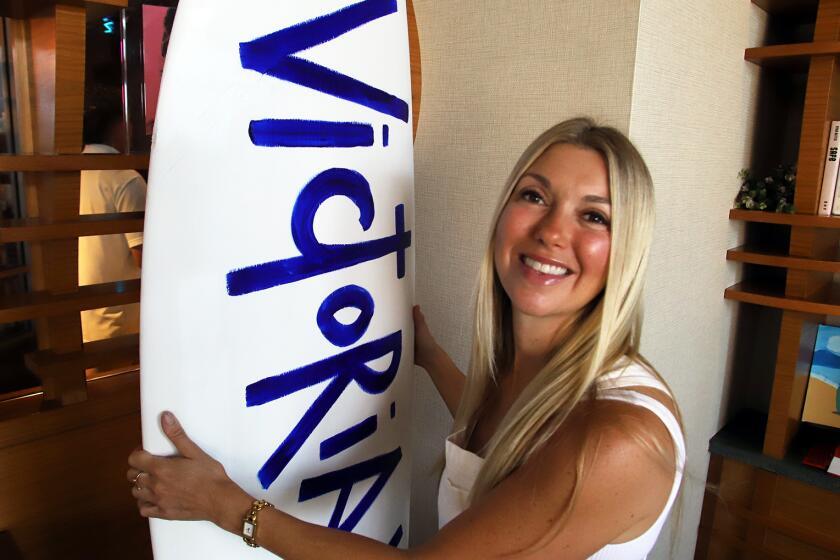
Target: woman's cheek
[{"x": 596, "y": 250}]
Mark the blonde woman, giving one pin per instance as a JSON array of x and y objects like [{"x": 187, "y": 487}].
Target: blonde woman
[{"x": 567, "y": 443}]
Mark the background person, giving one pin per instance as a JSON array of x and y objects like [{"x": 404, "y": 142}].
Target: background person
[{"x": 109, "y": 258}]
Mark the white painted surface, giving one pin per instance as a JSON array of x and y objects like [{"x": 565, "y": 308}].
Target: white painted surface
[{"x": 218, "y": 203}]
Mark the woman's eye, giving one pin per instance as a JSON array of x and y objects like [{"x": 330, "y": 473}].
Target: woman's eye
[
  {"x": 597, "y": 218},
  {"x": 529, "y": 195}
]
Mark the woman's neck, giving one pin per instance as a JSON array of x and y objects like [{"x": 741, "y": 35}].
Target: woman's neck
[{"x": 534, "y": 341}]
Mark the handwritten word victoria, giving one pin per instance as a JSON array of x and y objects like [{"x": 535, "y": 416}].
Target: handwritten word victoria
[{"x": 277, "y": 56}]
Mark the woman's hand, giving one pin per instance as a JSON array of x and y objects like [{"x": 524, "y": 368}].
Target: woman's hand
[
  {"x": 426, "y": 348},
  {"x": 192, "y": 486}
]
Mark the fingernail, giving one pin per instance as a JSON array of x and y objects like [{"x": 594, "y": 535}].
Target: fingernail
[{"x": 168, "y": 418}]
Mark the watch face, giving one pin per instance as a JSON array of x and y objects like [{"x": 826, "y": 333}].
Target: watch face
[{"x": 248, "y": 529}]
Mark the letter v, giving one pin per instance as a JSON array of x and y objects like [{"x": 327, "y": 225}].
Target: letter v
[{"x": 273, "y": 55}]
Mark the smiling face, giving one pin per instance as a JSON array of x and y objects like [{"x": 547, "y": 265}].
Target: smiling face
[{"x": 552, "y": 240}]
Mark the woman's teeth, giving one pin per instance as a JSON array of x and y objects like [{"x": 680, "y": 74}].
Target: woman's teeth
[{"x": 545, "y": 268}]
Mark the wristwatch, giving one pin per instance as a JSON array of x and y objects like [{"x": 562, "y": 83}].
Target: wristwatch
[{"x": 249, "y": 523}]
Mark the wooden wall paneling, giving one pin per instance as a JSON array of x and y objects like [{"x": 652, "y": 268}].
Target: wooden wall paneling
[
  {"x": 793, "y": 361},
  {"x": 57, "y": 41},
  {"x": 73, "y": 162},
  {"x": 761, "y": 504},
  {"x": 62, "y": 482},
  {"x": 69, "y": 79},
  {"x": 811, "y": 508},
  {"x": 827, "y": 26}
]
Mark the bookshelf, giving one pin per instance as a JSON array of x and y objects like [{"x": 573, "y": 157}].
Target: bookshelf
[{"x": 761, "y": 501}]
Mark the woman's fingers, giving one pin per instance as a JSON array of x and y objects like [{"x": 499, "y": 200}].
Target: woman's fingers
[{"x": 176, "y": 434}]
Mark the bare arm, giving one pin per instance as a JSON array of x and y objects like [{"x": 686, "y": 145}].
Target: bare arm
[
  {"x": 448, "y": 379},
  {"x": 620, "y": 495},
  {"x": 137, "y": 255}
]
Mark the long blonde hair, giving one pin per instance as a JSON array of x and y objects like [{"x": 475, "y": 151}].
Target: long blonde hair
[{"x": 602, "y": 333}]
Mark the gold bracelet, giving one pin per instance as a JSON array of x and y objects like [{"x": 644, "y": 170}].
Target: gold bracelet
[{"x": 249, "y": 525}]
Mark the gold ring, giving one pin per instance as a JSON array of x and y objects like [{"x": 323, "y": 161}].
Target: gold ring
[{"x": 136, "y": 478}]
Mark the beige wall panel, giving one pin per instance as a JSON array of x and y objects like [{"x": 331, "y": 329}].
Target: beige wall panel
[
  {"x": 495, "y": 74},
  {"x": 692, "y": 118}
]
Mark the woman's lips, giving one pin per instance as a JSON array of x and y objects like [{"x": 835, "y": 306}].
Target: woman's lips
[{"x": 542, "y": 272}]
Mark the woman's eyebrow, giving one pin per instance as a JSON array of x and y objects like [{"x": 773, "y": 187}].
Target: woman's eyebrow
[
  {"x": 545, "y": 182},
  {"x": 597, "y": 199}
]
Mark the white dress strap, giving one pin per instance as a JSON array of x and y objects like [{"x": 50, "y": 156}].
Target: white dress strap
[{"x": 630, "y": 377}]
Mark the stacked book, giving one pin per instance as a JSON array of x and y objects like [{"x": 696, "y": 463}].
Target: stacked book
[{"x": 830, "y": 193}]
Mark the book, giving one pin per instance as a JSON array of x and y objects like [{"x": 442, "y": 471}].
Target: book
[
  {"x": 829, "y": 183},
  {"x": 834, "y": 466},
  {"x": 822, "y": 399}
]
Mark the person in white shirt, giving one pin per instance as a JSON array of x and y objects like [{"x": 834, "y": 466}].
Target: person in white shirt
[
  {"x": 109, "y": 258},
  {"x": 567, "y": 443}
]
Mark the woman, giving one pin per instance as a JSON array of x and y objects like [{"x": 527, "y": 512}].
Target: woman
[{"x": 566, "y": 442}]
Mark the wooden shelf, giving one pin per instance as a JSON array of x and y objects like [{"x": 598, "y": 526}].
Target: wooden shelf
[
  {"x": 768, "y": 297},
  {"x": 786, "y": 7},
  {"x": 12, "y": 271},
  {"x": 798, "y": 53},
  {"x": 72, "y": 162},
  {"x": 802, "y": 220},
  {"x": 34, "y": 229},
  {"x": 746, "y": 255},
  {"x": 34, "y": 305},
  {"x": 741, "y": 439},
  {"x": 103, "y": 354}
]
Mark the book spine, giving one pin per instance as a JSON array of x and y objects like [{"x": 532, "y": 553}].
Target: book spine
[{"x": 829, "y": 185}]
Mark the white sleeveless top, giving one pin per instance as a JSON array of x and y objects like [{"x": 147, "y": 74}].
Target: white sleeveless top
[{"x": 462, "y": 466}]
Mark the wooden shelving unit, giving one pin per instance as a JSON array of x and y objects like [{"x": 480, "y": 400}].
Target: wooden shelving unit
[
  {"x": 782, "y": 260},
  {"x": 798, "y": 54},
  {"x": 800, "y": 220},
  {"x": 72, "y": 162},
  {"x": 766, "y": 497},
  {"x": 36, "y": 229}
]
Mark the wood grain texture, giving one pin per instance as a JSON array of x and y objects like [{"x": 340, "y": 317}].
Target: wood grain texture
[
  {"x": 73, "y": 162},
  {"x": 34, "y": 229},
  {"x": 416, "y": 66},
  {"x": 21, "y": 307},
  {"x": 62, "y": 503},
  {"x": 750, "y": 256},
  {"x": 58, "y": 72},
  {"x": 20, "y": 9},
  {"x": 802, "y": 220},
  {"x": 793, "y": 362},
  {"x": 752, "y": 513},
  {"x": 781, "y": 54},
  {"x": 827, "y": 27},
  {"x": 12, "y": 271},
  {"x": 103, "y": 354},
  {"x": 768, "y": 297},
  {"x": 821, "y": 94},
  {"x": 69, "y": 78}
]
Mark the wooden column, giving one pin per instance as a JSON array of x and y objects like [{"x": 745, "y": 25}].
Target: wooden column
[{"x": 58, "y": 67}]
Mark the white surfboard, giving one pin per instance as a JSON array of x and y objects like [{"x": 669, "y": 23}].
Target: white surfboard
[{"x": 278, "y": 261}]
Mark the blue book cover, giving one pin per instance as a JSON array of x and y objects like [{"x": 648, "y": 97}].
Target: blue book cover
[{"x": 822, "y": 401}]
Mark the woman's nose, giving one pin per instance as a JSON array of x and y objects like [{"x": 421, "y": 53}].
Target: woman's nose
[{"x": 555, "y": 229}]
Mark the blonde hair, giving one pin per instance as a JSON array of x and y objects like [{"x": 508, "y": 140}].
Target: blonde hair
[{"x": 602, "y": 333}]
